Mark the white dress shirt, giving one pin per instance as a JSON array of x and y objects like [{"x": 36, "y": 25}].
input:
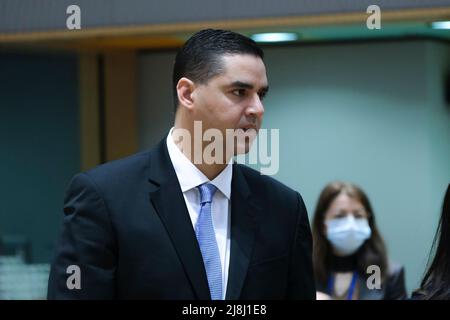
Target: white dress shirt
[{"x": 189, "y": 177}]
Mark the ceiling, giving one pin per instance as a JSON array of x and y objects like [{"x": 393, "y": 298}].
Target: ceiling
[{"x": 321, "y": 28}]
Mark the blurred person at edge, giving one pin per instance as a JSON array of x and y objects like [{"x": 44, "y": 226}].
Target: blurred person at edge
[
  {"x": 436, "y": 282},
  {"x": 346, "y": 242}
]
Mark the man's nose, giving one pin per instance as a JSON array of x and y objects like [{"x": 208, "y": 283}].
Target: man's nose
[{"x": 256, "y": 107}]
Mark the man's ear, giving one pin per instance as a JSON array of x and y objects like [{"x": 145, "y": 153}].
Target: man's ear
[{"x": 185, "y": 88}]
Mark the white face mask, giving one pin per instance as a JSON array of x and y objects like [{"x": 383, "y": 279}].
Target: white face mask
[{"x": 347, "y": 234}]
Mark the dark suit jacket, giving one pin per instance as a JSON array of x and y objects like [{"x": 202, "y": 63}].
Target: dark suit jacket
[{"x": 127, "y": 227}]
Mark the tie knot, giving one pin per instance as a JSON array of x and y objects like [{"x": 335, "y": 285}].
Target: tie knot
[{"x": 207, "y": 191}]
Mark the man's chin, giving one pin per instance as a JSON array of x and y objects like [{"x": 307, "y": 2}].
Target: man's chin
[{"x": 242, "y": 148}]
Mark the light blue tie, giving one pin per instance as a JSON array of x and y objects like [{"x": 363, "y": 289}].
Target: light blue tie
[{"x": 206, "y": 238}]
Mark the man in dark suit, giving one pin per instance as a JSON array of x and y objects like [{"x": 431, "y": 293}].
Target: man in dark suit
[{"x": 179, "y": 222}]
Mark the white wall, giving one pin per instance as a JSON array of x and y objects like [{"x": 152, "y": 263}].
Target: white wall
[
  {"x": 369, "y": 113},
  {"x": 155, "y": 103}
]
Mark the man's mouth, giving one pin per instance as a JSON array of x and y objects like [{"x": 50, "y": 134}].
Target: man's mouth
[{"x": 247, "y": 128}]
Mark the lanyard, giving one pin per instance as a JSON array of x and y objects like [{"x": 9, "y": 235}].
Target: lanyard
[{"x": 350, "y": 290}]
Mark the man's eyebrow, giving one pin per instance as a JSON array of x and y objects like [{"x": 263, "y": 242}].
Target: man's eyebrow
[
  {"x": 244, "y": 85},
  {"x": 264, "y": 90},
  {"x": 240, "y": 84}
]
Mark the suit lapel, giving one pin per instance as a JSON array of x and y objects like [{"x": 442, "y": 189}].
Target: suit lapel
[
  {"x": 169, "y": 203},
  {"x": 244, "y": 213}
]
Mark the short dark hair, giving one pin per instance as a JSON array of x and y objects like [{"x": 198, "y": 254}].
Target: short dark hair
[{"x": 199, "y": 59}]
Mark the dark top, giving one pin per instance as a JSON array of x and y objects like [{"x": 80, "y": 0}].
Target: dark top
[{"x": 392, "y": 289}]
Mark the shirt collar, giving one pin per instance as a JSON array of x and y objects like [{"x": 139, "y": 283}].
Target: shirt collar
[{"x": 189, "y": 176}]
